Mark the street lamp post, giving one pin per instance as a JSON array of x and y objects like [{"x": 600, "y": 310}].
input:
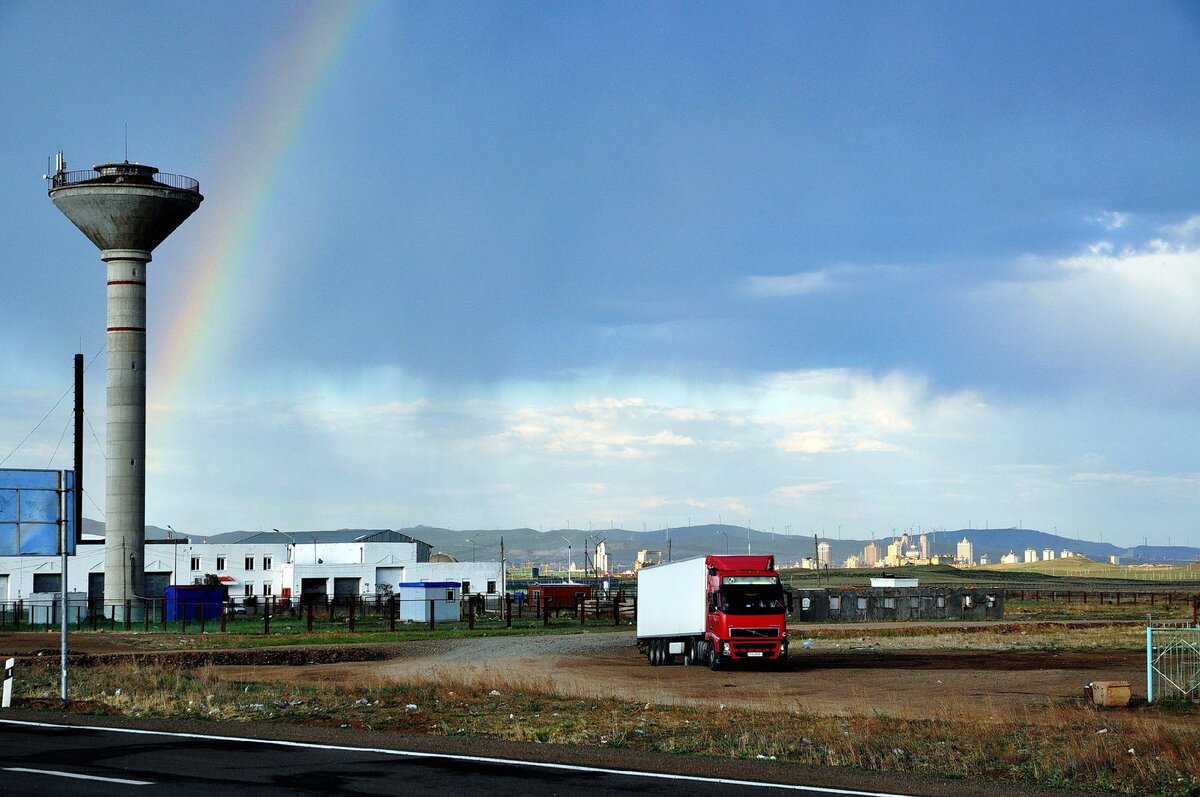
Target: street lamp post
[
  {"x": 570, "y": 561},
  {"x": 291, "y": 545},
  {"x": 720, "y": 531},
  {"x": 175, "y": 551}
]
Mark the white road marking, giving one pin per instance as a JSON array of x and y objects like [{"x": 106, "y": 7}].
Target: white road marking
[
  {"x": 629, "y": 773},
  {"x": 57, "y": 774}
]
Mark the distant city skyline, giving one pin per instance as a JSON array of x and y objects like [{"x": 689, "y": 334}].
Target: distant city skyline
[{"x": 794, "y": 265}]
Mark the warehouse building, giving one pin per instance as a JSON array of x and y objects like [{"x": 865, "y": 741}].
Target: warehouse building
[{"x": 299, "y": 566}]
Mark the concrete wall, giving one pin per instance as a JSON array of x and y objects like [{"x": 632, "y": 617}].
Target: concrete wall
[{"x": 881, "y": 604}]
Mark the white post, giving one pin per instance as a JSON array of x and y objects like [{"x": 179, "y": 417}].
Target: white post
[
  {"x": 62, "y": 548},
  {"x": 8, "y": 676}
]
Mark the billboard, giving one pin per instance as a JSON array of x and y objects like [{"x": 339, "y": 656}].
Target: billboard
[{"x": 33, "y": 504}]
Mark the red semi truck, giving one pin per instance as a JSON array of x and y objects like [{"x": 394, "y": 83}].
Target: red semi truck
[{"x": 713, "y": 610}]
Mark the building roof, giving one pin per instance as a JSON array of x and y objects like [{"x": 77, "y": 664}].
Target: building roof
[{"x": 308, "y": 537}]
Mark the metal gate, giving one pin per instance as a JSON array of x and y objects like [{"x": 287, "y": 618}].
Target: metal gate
[{"x": 1172, "y": 663}]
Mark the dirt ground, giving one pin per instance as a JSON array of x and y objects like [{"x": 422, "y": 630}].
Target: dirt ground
[{"x": 822, "y": 678}]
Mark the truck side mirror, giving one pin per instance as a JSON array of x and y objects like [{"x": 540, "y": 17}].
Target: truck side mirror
[{"x": 712, "y": 602}]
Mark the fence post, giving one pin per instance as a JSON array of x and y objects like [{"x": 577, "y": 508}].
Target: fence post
[
  {"x": 331, "y": 601},
  {"x": 391, "y": 612},
  {"x": 350, "y": 622},
  {"x": 203, "y": 618},
  {"x": 507, "y": 610},
  {"x": 308, "y": 618},
  {"x": 471, "y": 613},
  {"x": 582, "y": 609},
  {"x": 616, "y": 609},
  {"x": 432, "y": 614},
  {"x": 1149, "y": 664},
  {"x": 224, "y": 614},
  {"x": 267, "y": 616},
  {"x": 1118, "y": 598},
  {"x": 163, "y": 614}
]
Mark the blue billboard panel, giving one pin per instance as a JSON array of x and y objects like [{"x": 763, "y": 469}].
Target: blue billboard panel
[{"x": 30, "y": 511}]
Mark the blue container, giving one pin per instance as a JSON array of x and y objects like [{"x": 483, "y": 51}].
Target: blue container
[{"x": 191, "y": 603}]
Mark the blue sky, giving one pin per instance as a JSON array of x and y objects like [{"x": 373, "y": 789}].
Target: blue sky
[{"x": 798, "y": 265}]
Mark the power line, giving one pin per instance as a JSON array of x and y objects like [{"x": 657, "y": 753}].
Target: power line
[
  {"x": 95, "y": 437},
  {"x": 38, "y": 426},
  {"x": 61, "y": 437},
  {"x": 68, "y": 392}
]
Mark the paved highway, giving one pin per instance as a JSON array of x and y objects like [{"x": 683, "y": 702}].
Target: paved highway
[{"x": 42, "y": 759}]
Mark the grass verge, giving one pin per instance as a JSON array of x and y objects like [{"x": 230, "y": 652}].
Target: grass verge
[{"x": 1143, "y": 751}]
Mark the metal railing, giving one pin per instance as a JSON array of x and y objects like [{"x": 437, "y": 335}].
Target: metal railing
[{"x": 91, "y": 176}]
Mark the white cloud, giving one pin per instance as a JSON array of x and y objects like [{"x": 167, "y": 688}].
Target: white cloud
[
  {"x": 1141, "y": 479},
  {"x": 804, "y": 283},
  {"x": 788, "y": 285},
  {"x": 1125, "y": 320},
  {"x": 797, "y": 491},
  {"x": 1187, "y": 231},
  {"x": 1111, "y": 219}
]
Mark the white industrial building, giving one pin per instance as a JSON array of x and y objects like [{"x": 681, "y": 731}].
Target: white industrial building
[{"x": 316, "y": 565}]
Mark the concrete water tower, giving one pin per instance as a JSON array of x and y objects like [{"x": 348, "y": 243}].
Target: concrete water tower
[{"x": 126, "y": 210}]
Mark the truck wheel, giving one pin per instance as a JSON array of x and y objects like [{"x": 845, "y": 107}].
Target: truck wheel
[
  {"x": 714, "y": 658},
  {"x": 689, "y": 653},
  {"x": 652, "y": 653}
]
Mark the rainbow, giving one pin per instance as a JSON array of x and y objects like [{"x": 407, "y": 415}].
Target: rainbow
[{"x": 297, "y": 77}]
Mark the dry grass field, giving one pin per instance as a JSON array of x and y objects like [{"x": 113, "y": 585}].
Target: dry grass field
[{"x": 1001, "y": 700}]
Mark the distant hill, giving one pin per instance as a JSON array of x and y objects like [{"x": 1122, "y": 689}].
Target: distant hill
[{"x": 526, "y": 545}]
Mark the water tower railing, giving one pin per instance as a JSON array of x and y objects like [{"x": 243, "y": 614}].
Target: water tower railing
[{"x": 83, "y": 176}]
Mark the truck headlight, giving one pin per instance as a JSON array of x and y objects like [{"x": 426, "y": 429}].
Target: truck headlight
[{"x": 725, "y": 648}]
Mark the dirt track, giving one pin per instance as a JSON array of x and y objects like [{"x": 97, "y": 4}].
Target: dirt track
[{"x": 822, "y": 679}]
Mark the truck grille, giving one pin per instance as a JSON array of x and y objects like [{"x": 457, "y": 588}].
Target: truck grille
[{"x": 769, "y": 633}]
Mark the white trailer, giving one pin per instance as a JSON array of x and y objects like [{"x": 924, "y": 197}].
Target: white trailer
[
  {"x": 672, "y": 599},
  {"x": 714, "y": 609}
]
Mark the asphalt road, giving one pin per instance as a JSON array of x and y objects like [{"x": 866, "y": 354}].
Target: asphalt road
[{"x": 43, "y": 759}]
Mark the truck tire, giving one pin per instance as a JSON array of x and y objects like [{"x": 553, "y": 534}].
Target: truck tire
[
  {"x": 653, "y": 654},
  {"x": 714, "y": 658},
  {"x": 689, "y": 653}
]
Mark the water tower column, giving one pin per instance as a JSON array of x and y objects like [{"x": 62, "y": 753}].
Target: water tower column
[{"x": 125, "y": 506}]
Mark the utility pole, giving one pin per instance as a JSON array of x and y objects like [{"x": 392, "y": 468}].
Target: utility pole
[{"x": 817, "y": 559}]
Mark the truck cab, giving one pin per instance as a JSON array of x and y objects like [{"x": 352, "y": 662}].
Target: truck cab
[
  {"x": 714, "y": 610},
  {"x": 747, "y": 607}
]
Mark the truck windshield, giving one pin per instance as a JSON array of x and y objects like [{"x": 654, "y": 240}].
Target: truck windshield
[{"x": 748, "y": 599}]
